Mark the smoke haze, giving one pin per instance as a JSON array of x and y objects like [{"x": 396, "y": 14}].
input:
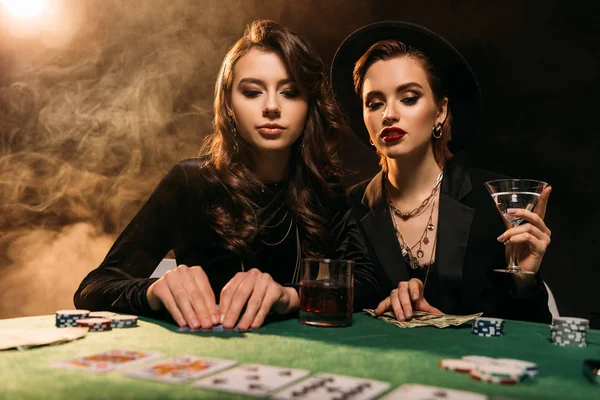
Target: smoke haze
[
  {"x": 97, "y": 101},
  {"x": 98, "y": 98}
]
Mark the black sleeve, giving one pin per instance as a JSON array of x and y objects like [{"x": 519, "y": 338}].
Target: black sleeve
[
  {"x": 531, "y": 307},
  {"x": 349, "y": 244},
  {"x": 121, "y": 281}
]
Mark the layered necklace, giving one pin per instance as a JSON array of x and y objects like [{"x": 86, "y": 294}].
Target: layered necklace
[
  {"x": 267, "y": 224},
  {"x": 407, "y": 250}
]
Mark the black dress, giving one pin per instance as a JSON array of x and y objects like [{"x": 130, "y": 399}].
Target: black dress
[
  {"x": 175, "y": 217},
  {"x": 462, "y": 280}
]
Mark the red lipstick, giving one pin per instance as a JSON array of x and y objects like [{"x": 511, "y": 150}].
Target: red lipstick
[{"x": 392, "y": 134}]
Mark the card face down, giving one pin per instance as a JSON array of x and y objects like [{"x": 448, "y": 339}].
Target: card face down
[
  {"x": 107, "y": 360},
  {"x": 252, "y": 379},
  {"x": 180, "y": 369},
  {"x": 424, "y": 392},
  {"x": 328, "y": 386},
  {"x": 214, "y": 329}
]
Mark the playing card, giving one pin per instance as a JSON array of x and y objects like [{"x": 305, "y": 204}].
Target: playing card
[
  {"x": 107, "y": 361},
  {"x": 180, "y": 369},
  {"x": 423, "y": 392},
  {"x": 328, "y": 386},
  {"x": 252, "y": 379},
  {"x": 215, "y": 329}
]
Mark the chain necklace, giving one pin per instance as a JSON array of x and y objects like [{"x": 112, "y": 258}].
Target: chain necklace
[
  {"x": 407, "y": 254},
  {"x": 419, "y": 209},
  {"x": 267, "y": 220},
  {"x": 406, "y": 249}
]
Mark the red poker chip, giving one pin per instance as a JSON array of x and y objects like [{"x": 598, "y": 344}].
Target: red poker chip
[{"x": 95, "y": 324}]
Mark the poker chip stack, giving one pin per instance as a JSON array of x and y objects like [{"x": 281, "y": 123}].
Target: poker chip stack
[
  {"x": 504, "y": 374},
  {"x": 493, "y": 370},
  {"x": 95, "y": 324},
  {"x": 68, "y": 318},
  {"x": 123, "y": 321},
  {"x": 488, "y": 327},
  {"x": 528, "y": 368},
  {"x": 567, "y": 331}
]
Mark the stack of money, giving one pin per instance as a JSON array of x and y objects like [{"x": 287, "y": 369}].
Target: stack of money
[{"x": 421, "y": 318}]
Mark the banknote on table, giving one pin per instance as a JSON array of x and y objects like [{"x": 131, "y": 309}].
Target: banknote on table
[{"x": 421, "y": 318}]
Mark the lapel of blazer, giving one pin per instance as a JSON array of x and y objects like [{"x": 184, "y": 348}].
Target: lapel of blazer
[
  {"x": 454, "y": 226},
  {"x": 379, "y": 228}
]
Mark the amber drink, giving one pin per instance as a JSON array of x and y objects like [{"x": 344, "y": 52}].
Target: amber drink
[{"x": 326, "y": 292}]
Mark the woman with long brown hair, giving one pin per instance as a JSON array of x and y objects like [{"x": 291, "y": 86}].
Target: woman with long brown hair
[{"x": 264, "y": 193}]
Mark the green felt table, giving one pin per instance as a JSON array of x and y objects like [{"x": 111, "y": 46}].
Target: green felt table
[{"x": 369, "y": 349}]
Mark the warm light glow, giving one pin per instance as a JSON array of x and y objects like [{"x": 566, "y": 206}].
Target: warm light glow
[{"x": 25, "y": 8}]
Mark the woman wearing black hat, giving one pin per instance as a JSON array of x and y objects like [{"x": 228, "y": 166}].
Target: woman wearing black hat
[{"x": 431, "y": 224}]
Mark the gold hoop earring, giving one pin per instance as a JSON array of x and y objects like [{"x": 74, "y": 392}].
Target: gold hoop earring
[{"x": 437, "y": 131}]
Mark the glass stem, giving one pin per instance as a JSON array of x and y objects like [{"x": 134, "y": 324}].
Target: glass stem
[{"x": 514, "y": 264}]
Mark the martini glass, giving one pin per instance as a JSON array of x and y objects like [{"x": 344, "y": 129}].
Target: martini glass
[{"x": 514, "y": 193}]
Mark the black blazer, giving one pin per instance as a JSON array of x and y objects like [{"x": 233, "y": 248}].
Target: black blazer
[
  {"x": 177, "y": 217},
  {"x": 462, "y": 280}
]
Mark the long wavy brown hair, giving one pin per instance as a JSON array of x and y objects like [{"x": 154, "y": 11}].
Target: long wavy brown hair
[
  {"x": 314, "y": 165},
  {"x": 387, "y": 49}
]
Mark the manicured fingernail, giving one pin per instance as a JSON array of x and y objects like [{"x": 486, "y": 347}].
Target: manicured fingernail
[
  {"x": 511, "y": 211},
  {"x": 400, "y": 316},
  {"x": 194, "y": 323},
  {"x": 408, "y": 314},
  {"x": 228, "y": 322},
  {"x": 500, "y": 238},
  {"x": 222, "y": 319},
  {"x": 215, "y": 319},
  {"x": 415, "y": 296},
  {"x": 205, "y": 322}
]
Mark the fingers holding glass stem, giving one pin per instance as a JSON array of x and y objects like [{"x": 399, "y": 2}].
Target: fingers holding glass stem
[{"x": 527, "y": 243}]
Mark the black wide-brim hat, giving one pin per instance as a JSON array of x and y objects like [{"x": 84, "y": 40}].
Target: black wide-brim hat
[{"x": 460, "y": 84}]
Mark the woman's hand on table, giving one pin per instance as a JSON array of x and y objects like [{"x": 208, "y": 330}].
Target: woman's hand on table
[
  {"x": 408, "y": 296},
  {"x": 186, "y": 293},
  {"x": 259, "y": 293}
]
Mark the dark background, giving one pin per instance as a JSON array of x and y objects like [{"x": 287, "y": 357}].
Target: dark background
[{"x": 90, "y": 123}]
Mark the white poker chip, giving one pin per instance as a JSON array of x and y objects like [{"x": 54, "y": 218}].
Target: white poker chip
[
  {"x": 101, "y": 314},
  {"x": 491, "y": 370},
  {"x": 457, "y": 365},
  {"x": 483, "y": 377},
  {"x": 478, "y": 359},
  {"x": 501, "y": 371},
  {"x": 529, "y": 368},
  {"x": 124, "y": 318}
]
